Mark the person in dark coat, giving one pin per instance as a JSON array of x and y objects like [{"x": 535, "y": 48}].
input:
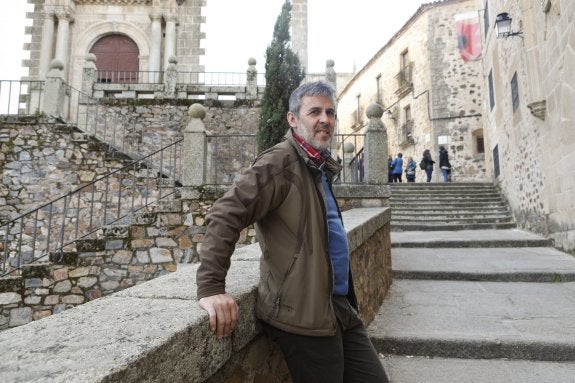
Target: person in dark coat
[
  {"x": 427, "y": 164},
  {"x": 410, "y": 169},
  {"x": 444, "y": 164}
]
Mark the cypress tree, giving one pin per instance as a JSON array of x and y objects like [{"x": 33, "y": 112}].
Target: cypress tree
[{"x": 283, "y": 75}]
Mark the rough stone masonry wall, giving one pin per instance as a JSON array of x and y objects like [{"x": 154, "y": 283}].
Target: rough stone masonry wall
[
  {"x": 42, "y": 161},
  {"x": 455, "y": 95},
  {"x": 157, "y": 240},
  {"x": 157, "y": 332}
]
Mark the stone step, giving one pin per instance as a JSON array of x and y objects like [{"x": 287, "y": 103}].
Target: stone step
[
  {"x": 452, "y": 203},
  {"x": 441, "y": 185},
  {"x": 416, "y": 209},
  {"x": 469, "y": 192},
  {"x": 442, "y": 199},
  {"x": 477, "y": 320},
  {"x": 468, "y": 238},
  {"x": 525, "y": 264},
  {"x": 411, "y": 369},
  {"x": 419, "y": 216},
  {"x": 452, "y": 222},
  {"x": 403, "y": 227}
]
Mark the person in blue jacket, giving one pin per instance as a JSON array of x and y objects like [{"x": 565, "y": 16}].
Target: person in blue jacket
[
  {"x": 397, "y": 166},
  {"x": 410, "y": 169}
]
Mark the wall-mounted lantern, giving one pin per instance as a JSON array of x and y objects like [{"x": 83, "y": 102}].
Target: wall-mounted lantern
[{"x": 503, "y": 26}]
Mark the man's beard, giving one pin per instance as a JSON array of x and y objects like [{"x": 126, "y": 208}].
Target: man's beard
[{"x": 310, "y": 139}]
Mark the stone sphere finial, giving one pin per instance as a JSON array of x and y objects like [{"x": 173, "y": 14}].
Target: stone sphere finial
[
  {"x": 330, "y": 63},
  {"x": 252, "y": 61},
  {"x": 57, "y": 64},
  {"x": 348, "y": 147},
  {"x": 374, "y": 110},
  {"x": 197, "y": 111}
]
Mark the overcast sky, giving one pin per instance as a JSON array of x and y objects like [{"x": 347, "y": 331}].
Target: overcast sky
[{"x": 349, "y": 33}]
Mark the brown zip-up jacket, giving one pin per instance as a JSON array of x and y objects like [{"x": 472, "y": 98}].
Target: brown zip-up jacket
[{"x": 283, "y": 194}]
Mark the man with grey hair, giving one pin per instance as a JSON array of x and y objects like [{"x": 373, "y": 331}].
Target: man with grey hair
[{"x": 306, "y": 300}]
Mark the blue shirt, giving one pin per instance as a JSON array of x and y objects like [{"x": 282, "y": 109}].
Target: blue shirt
[{"x": 337, "y": 243}]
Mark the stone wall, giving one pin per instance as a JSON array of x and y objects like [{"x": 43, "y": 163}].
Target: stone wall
[
  {"x": 534, "y": 142},
  {"x": 157, "y": 240},
  {"x": 442, "y": 92},
  {"x": 157, "y": 332},
  {"x": 41, "y": 161}
]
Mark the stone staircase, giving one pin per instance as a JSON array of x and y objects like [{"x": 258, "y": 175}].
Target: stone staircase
[
  {"x": 448, "y": 206},
  {"x": 473, "y": 300}
]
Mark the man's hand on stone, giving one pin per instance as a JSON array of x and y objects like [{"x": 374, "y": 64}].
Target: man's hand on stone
[{"x": 223, "y": 311}]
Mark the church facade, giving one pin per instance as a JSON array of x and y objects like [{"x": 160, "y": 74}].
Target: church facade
[{"x": 128, "y": 38}]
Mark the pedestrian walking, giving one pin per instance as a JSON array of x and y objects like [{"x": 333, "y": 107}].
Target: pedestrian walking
[
  {"x": 427, "y": 164},
  {"x": 397, "y": 168},
  {"x": 444, "y": 164},
  {"x": 410, "y": 169},
  {"x": 305, "y": 299}
]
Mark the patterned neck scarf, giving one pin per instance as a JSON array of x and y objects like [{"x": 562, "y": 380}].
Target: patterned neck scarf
[{"x": 318, "y": 158}]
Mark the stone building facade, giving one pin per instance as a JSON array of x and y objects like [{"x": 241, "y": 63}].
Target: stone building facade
[
  {"x": 431, "y": 96},
  {"x": 529, "y": 114},
  {"x": 127, "y": 36}
]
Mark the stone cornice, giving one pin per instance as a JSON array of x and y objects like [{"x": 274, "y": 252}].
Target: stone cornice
[{"x": 113, "y": 2}]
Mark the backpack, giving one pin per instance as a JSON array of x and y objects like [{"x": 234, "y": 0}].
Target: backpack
[{"x": 422, "y": 164}]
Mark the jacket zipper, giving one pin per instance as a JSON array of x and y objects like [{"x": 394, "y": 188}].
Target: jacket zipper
[{"x": 277, "y": 301}]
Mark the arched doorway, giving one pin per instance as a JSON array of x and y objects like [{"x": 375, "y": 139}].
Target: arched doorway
[{"x": 117, "y": 59}]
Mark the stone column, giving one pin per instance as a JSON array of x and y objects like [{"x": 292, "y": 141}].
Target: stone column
[
  {"x": 90, "y": 76},
  {"x": 375, "y": 147},
  {"x": 351, "y": 171},
  {"x": 63, "y": 36},
  {"x": 155, "y": 46},
  {"x": 299, "y": 30},
  {"x": 170, "y": 42},
  {"x": 252, "y": 80},
  {"x": 47, "y": 44},
  {"x": 330, "y": 75},
  {"x": 55, "y": 90},
  {"x": 195, "y": 148},
  {"x": 170, "y": 78}
]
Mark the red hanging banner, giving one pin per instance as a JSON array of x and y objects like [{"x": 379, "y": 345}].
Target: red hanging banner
[{"x": 468, "y": 35}]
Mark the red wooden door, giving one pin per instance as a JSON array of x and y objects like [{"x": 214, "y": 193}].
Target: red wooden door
[{"x": 116, "y": 59}]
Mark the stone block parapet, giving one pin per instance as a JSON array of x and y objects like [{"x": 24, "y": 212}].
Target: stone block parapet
[{"x": 156, "y": 331}]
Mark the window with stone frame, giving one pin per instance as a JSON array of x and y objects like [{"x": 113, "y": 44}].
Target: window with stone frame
[
  {"x": 357, "y": 115},
  {"x": 514, "y": 92},
  {"x": 486, "y": 17},
  {"x": 491, "y": 90},
  {"x": 407, "y": 128},
  {"x": 478, "y": 142}
]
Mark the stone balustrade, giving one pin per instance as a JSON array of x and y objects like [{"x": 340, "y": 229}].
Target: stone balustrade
[{"x": 156, "y": 331}]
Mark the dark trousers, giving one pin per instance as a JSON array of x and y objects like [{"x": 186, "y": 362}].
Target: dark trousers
[
  {"x": 397, "y": 177},
  {"x": 428, "y": 172},
  {"x": 348, "y": 356}
]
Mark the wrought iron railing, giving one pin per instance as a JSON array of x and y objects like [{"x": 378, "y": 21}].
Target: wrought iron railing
[
  {"x": 55, "y": 227},
  {"x": 185, "y": 78},
  {"x": 404, "y": 79},
  {"x": 350, "y": 155},
  {"x": 21, "y": 97},
  {"x": 407, "y": 134}
]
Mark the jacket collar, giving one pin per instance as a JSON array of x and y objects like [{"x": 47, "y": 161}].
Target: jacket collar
[{"x": 330, "y": 164}]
